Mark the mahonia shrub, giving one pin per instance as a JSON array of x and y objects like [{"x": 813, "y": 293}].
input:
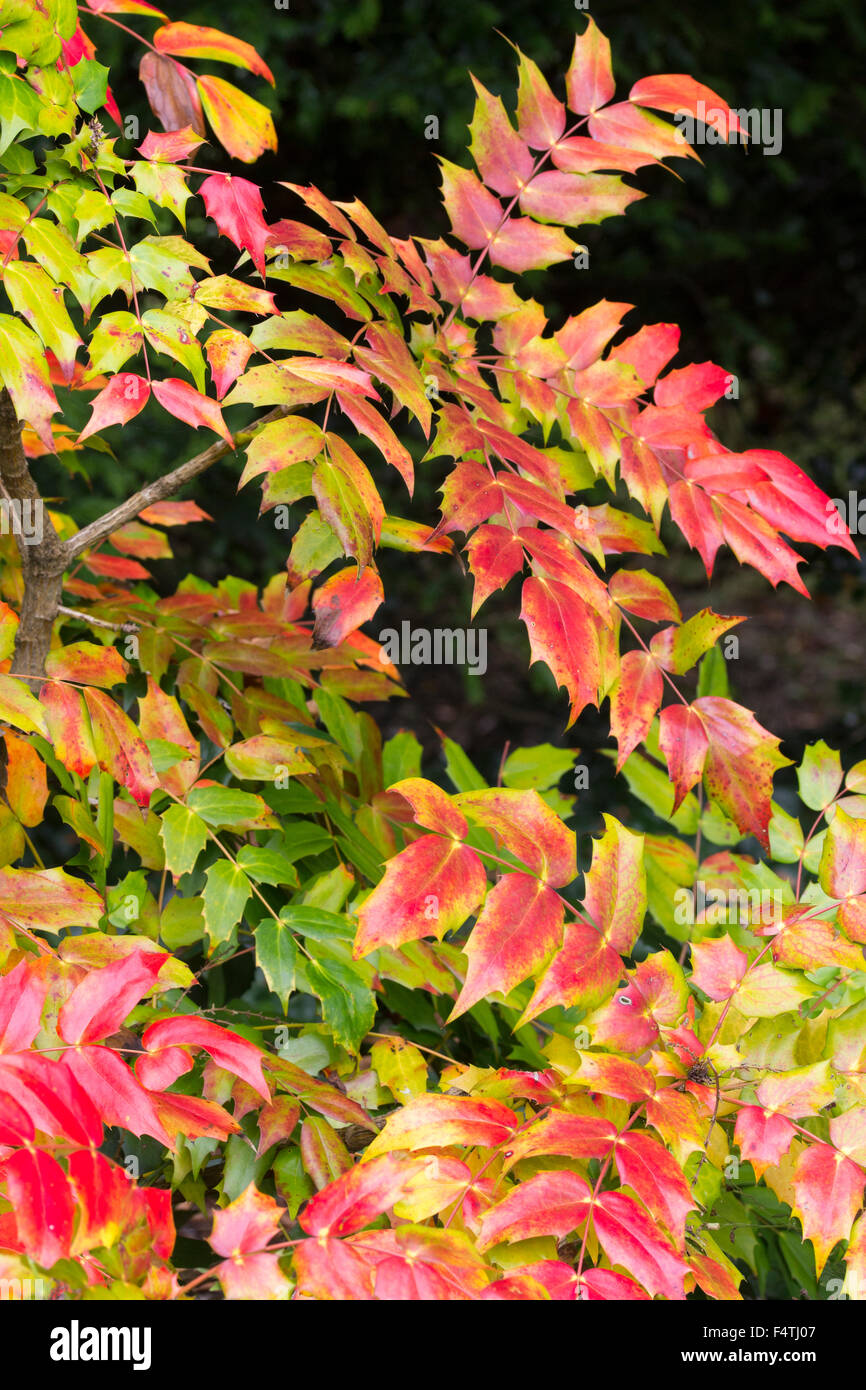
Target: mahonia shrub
[{"x": 352, "y": 1031}]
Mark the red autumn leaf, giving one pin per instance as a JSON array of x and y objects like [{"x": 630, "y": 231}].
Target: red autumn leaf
[
  {"x": 763, "y": 1137},
  {"x": 236, "y": 206},
  {"x": 437, "y": 1122},
  {"x": 173, "y": 146},
  {"x": 522, "y": 823},
  {"x": 104, "y": 998},
  {"x": 115, "y": 1091},
  {"x": 514, "y": 1288},
  {"x": 247, "y": 1224},
  {"x": 564, "y": 634},
  {"x": 624, "y": 124},
  {"x": 418, "y": 1263},
  {"x": 842, "y": 870},
  {"x": 503, "y": 160},
  {"x": 119, "y": 748},
  {"x": 199, "y": 41},
  {"x": 717, "y": 1281},
  {"x": 756, "y": 542},
  {"x": 357, "y": 1197},
  {"x": 646, "y": 1166},
  {"x": 429, "y": 888},
  {"x": 43, "y": 1203},
  {"x": 742, "y": 758},
  {"x": 518, "y": 928},
  {"x": 52, "y": 1098},
  {"x": 104, "y": 1201},
  {"x": 584, "y": 971},
  {"x": 614, "y": 1076},
  {"x": 678, "y": 93},
  {"x": 631, "y": 1239},
  {"x": 683, "y": 740},
  {"x": 695, "y": 387},
  {"x": 589, "y": 79},
  {"x": 121, "y": 400},
  {"x": 495, "y": 556},
  {"x": 332, "y": 1269},
  {"x": 829, "y": 1192},
  {"x": 541, "y": 116},
  {"x": 615, "y": 892},
  {"x": 345, "y": 601},
  {"x": 88, "y": 664},
  {"x": 548, "y": 1204},
  {"x": 559, "y": 1132},
  {"x": 606, "y": 1286},
  {"x": 22, "y": 996},
  {"x": 183, "y": 401},
  {"x": 431, "y": 806},
  {"x": 226, "y": 1048},
  {"x": 16, "y": 1126},
  {"x": 227, "y": 353},
  {"x": 718, "y": 966},
  {"x": 634, "y": 700}
]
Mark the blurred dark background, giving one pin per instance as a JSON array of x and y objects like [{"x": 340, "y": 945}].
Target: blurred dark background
[{"x": 759, "y": 259}]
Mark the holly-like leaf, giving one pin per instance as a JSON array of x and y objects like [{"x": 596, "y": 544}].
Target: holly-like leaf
[
  {"x": 548, "y": 1204},
  {"x": 646, "y": 1166},
  {"x": 829, "y": 1193},
  {"x": 237, "y": 209},
  {"x": 183, "y": 401},
  {"x": 742, "y": 758},
  {"x": 718, "y": 966},
  {"x": 615, "y": 891},
  {"x": 573, "y": 1136},
  {"x": 122, "y": 399},
  {"x": 244, "y": 126},
  {"x": 584, "y": 971},
  {"x": 429, "y": 888},
  {"x": 101, "y": 1002},
  {"x": 226, "y": 1048},
  {"x": 437, "y": 1122},
  {"x": 24, "y": 373},
  {"x": 200, "y": 41},
  {"x": 522, "y": 823},
  {"x": 589, "y": 80},
  {"x": 345, "y": 601},
  {"x": 519, "y": 927}
]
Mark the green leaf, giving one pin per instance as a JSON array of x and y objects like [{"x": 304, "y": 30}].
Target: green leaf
[
  {"x": 293, "y": 1182},
  {"x": 184, "y": 835},
  {"x": 819, "y": 775},
  {"x": 464, "y": 775},
  {"x": 317, "y": 924},
  {"x": 226, "y": 894},
  {"x": 267, "y": 865},
  {"x": 182, "y": 922},
  {"x": 348, "y": 1003},
  {"x": 539, "y": 767},
  {"x": 277, "y": 957},
  {"x": 167, "y": 335},
  {"x": 651, "y": 786},
  {"x": 786, "y": 836},
  {"x": 302, "y": 839},
  {"x": 713, "y": 674},
  {"x": 401, "y": 758},
  {"x": 90, "y": 84},
  {"x": 225, "y": 806}
]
